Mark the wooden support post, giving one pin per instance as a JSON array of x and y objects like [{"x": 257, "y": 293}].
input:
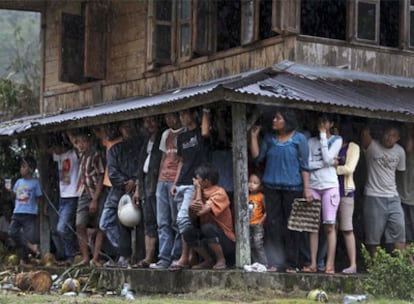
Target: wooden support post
[
  {"x": 42, "y": 166},
  {"x": 241, "y": 192}
]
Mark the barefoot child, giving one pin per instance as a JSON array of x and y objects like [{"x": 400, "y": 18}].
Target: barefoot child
[{"x": 23, "y": 222}]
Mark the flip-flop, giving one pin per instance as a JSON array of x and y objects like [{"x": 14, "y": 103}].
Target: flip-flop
[
  {"x": 141, "y": 264},
  {"x": 349, "y": 271},
  {"x": 177, "y": 267},
  {"x": 309, "y": 269}
]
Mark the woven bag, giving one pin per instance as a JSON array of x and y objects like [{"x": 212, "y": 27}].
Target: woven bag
[{"x": 305, "y": 216}]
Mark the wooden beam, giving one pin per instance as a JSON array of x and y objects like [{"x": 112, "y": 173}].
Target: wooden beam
[
  {"x": 42, "y": 164},
  {"x": 241, "y": 192}
]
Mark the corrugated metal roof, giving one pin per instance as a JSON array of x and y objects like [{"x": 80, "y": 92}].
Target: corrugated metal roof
[{"x": 287, "y": 81}]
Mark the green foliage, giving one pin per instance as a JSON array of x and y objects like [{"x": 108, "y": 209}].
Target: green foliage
[
  {"x": 391, "y": 275},
  {"x": 19, "y": 63}
]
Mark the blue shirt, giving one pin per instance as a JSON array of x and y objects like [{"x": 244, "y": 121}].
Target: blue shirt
[
  {"x": 285, "y": 161},
  {"x": 26, "y": 190}
]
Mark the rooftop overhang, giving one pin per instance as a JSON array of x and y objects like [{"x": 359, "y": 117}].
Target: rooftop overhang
[
  {"x": 287, "y": 84},
  {"x": 27, "y": 5}
]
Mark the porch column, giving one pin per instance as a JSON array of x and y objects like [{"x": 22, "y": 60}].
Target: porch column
[
  {"x": 43, "y": 167},
  {"x": 241, "y": 192}
]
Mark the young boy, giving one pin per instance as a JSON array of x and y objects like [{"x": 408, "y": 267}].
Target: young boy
[
  {"x": 212, "y": 205},
  {"x": 258, "y": 216},
  {"x": 91, "y": 197},
  {"x": 23, "y": 222}
]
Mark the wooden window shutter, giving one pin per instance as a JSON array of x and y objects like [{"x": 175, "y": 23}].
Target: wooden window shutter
[
  {"x": 250, "y": 10},
  {"x": 95, "y": 40},
  {"x": 204, "y": 27},
  {"x": 286, "y": 16},
  {"x": 71, "y": 49},
  {"x": 161, "y": 33}
]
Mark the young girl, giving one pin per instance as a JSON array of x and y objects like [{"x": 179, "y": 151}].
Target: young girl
[
  {"x": 323, "y": 154},
  {"x": 258, "y": 216}
]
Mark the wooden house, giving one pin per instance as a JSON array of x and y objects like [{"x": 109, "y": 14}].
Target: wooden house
[{"x": 112, "y": 60}]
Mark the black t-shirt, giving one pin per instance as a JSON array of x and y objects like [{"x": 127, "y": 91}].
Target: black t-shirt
[{"x": 190, "y": 147}]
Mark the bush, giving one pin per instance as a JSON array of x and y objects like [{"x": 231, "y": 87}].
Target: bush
[{"x": 391, "y": 275}]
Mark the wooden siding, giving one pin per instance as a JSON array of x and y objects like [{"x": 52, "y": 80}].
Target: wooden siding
[
  {"x": 322, "y": 52},
  {"x": 127, "y": 75}
]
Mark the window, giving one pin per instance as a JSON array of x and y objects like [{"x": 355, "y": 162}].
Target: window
[
  {"x": 83, "y": 44},
  {"x": 179, "y": 30},
  {"x": 378, "y": 22},
  {"x": 411, "y": 23},
  {"x": 319, "y": 16}
]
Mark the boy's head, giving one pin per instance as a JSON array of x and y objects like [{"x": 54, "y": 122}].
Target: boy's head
[
  {"x": 84, "y": 140},
  {"x": 390, "y": 136},
  {"x": 27, "y": 166},
  {"x": 255, "y": 183},
  {"x": 206, "y": 173},
  {"x": 151, "y": 124},
  {"x": 172, "y": 120},
  {"x": 188, "y": 117}
]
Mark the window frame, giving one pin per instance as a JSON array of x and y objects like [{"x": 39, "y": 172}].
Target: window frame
[
  {"x": 376, "y": 41},
  {"x": 408, "y": 23}
]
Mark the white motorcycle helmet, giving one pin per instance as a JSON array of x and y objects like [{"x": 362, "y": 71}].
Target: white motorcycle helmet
[{"x": 129, "y": 215}]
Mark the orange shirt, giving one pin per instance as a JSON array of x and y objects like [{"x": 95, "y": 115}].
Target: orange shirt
[
  {"x": 216, "y": 197},
  {"x": 108, "y": 144},
  {"x": 258, "y": 211}
]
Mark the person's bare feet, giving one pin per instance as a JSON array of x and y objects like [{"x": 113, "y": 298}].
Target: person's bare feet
[
  {"x": 203, "y": 265},
  {"x": 220, "y": 266}
]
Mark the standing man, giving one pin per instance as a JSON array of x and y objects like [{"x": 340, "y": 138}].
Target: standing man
[
  {"x": 382, "y": 211},
  {"x": 67, "y": 159},
  {"x": 169, "y": 243}
]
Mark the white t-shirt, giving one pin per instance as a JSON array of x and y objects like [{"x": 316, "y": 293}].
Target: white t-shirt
[
  {"x": 382, "y": 163},
  {"x": 68, "y": 166}
]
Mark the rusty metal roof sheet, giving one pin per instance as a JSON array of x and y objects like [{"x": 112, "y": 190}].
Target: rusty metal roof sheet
[{"x": 285, "y": 83}]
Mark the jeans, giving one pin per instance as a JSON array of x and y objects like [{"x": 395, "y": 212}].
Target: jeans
[
  {"x": 183, "y": 198},
  {"x": 118, "y": 235},
  {"x": 22, "y": 231},
  {"x": 66, "y": 224},
  {"x": 168, "y": 235},
  {"x": 149, "y": 209},
  {"x": 256, "y": 243}
]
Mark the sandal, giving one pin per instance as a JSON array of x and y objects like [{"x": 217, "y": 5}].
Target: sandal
[
  {"x": 330, "y": 271},
  {"x": 291, "y": 270},
  {"x": 309, "y": 269},
  {"x": 272, "y": 269},
  {"x": 349, "y": 271},
  {"x": 141, "y": 264},
  {"x": 177, "y": 267},
  {"x": 220, "y": 266}
]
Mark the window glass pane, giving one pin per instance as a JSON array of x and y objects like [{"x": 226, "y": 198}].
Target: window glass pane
[
  {"x": 366, "y": 21},
  {"x": 163, "y": 10},
  {"x": 412, "y": 28},
  {"x": 185, "y": 9},
  {"x": 228, "y": 24},
  {"x": 318, "y": 16},
  {"x": 265, "y": 24},
  {"x": 389, "y": 22},
  {"x": 163, "y": 42},
  {"x": 185, "y": 40}
]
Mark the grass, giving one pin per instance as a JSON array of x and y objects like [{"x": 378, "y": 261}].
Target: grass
[{"x": 207, "y": 296}]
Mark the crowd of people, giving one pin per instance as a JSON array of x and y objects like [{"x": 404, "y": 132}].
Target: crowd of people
[{"x": 177, "y": 169}]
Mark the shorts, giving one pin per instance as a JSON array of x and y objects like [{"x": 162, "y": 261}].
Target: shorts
[
  {"x": 330, "y": 203},
  {"x": 82, "y": 212},
  {"x": 345, "y": 213},
  {"x": 409, "y": 222},
  {"x": 383, "y": 215}
]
